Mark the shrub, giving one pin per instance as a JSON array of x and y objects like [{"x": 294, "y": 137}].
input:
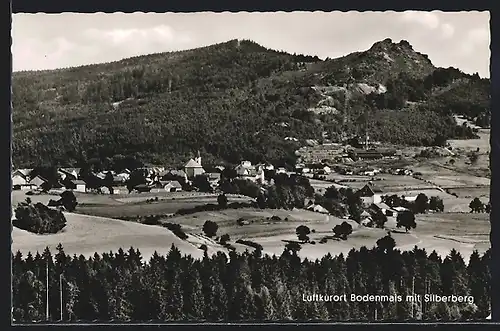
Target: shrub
[
  {"x": 241, "y": 221},
  {"x": 323, "y": 241},
  {"x": 38, "y": 218},
  {"x": 249, "y": 243},
  {"x": 210, "y": 228},
  {"x": 151, "y": 220},
  {"x": 224, "y": 239},
  {"x": 68, "y": 200},
  {"x": 176, "y": 230},
  {"x": 54, "y": 203}
]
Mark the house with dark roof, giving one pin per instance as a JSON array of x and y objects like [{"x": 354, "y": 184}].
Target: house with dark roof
[
  {"x": 19, "y": 179},
  {"x": 143, "y": 188},
  {"x": 70, "y": 173},
  {"x": 370, "y": 194}
]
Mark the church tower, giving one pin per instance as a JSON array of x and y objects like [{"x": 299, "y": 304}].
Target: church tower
[{"x": 198, "y": 158}]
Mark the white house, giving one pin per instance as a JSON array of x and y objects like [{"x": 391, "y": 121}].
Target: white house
[
  {"x": 318, "y": 209},
  {"x": 81, "y": 186},
  {"x": 410, "y": 199},
  {"x": 244, "y": 168},
  {"x": 248, "y": 171},
  {"x": 172, "y": 186},
  {"x": 71, "y": 173},
  {"x": 37, "y": 181},
  {"x": 123, "y": 176},
  {"x": 327, "y": 169},
  {"x": 193, "y": 168},
  {"x": 269, "y": 167},
  {"x": 400, "y": 209},
  {"x": 19, "y": 179},
  {"x": 281, "y": 170}
]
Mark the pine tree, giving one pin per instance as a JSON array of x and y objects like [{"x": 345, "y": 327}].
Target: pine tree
[
  {"x": 120, "y": 308},
  {"x": 193, "y": 295},
  {"x": 478, "y": 284},
  {"x": 173, "y": 306},
  {"x": 265, "y": 310},
  {"x": 29, "y": 304},
  {"x": 216, "y": 302},
  {"x": 241, "y": 302},
  {"x": 282, "y": 300}
]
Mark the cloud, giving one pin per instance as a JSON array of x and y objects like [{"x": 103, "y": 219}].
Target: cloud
[
  {"x": 157, "y": 35},
  {"x": 447, "y": 30},
  {"x": 430, "y": 21},
  {"x": 34, "y": 54},
  {"x": 474, "y": 39},
  {"x": 479, "y": 36},
  {"x": 426, "y": 19},
  {"x": 96, "y": 46}
]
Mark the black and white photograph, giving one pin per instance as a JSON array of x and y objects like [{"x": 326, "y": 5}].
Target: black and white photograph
[{"x": 251, "y": 167}]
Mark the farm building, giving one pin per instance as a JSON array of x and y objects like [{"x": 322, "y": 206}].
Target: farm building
[
  {"x": 370, "y": 194},
  {"x": 382, "y": 207},
  {"x": 281, "y": 170},
  {"x": 80, "y": 185},
  {"x": 193, "y": 168},
  {"x": 400, "y": 209},
  {"x": 410, "y": 199},
  {"x": 37, "y": 181},
  {"x": 70, "y": 173},
  {"x": 172, "y": 186},
  {"x": 318, "y": 209},
  {"x": 172, "y": 174},
  {"x": 142, "y": 188},
  {"x": 20, "y": 179},
  {"x": 248, "y": 171}
]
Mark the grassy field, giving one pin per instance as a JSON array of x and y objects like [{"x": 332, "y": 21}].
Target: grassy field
[
  {"x": 89, "y": 234},
  {"x": 440, "y": 232},
  {"x": 116, "y": 206},
  {"x": 152, "y": 208},
  {"x": 472, "y": 144}
]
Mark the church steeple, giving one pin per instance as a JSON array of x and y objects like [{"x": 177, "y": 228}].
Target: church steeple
[{"x": 198, "y": 158}]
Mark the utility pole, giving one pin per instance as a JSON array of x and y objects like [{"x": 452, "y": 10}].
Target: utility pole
[
  {"x": 61, "y": 294},
  {"x": 47, "y": 293},
  {"x": 413, "y": 295}
]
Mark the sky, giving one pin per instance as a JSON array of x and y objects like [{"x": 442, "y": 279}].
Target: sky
[{"x": 49, "y": 41}]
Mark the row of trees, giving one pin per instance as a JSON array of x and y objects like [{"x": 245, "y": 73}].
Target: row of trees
[{"x": 247, "y": 287}]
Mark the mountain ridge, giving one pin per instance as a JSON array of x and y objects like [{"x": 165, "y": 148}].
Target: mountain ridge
[{"x": 225, "y": 100}]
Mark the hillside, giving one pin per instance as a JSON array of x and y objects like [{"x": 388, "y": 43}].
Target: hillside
[{"x": 236, "y": 100}]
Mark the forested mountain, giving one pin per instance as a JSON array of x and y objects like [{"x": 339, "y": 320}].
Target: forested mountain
[{"x": 236, "y": 100}]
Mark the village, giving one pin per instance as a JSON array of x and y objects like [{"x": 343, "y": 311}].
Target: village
[{"x": 376, "y": 175}]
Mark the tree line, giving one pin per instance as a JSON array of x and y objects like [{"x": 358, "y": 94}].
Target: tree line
[{"x": 120, "y": 286}]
